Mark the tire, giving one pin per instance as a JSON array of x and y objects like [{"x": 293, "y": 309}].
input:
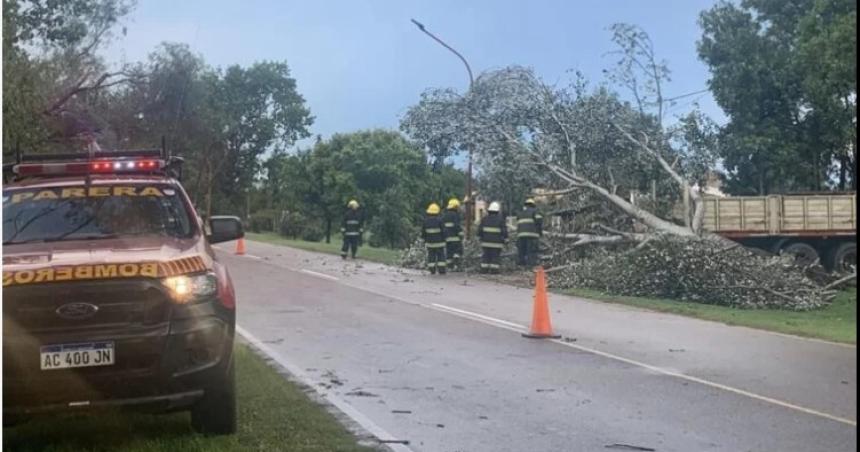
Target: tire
[
  {"x": 844, "y": 258},
  {"x": 215, "y": 413},
  {"x": 804, "y": 253}
]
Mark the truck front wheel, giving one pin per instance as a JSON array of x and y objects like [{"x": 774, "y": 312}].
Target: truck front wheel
[
  {"x": 804, "y": 253},
  {"x": 844, "y": 258},
  {"x": 215, "y": 414}
]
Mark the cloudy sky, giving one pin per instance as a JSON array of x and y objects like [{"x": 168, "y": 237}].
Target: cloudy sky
[{"x": 360, "y": 64}]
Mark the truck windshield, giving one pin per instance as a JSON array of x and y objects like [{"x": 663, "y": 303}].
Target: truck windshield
[{"x": 92, "y": 213}]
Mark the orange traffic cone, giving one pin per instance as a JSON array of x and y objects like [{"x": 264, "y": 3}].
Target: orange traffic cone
[
  {"x": 541, "y": 327},
  {"x": 240, "y": 247}
]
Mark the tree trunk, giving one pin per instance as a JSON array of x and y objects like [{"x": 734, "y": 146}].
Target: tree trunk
[
  {"x": 687, "y": 219},
  {"x": 209, "y": 201},
  {"x": 843, "y": 171},
  {"x": 328, "y": 229}
]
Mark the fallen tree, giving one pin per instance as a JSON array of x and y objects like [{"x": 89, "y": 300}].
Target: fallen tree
[{"x": 595, "y": 145}]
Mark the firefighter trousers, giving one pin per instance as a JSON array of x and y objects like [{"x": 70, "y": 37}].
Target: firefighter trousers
[
  {"x": 436, "y": 259},
  {"x": 454, "y": 251},
  {"x": 491, "y": 260},
  {"x": 350, "y": 244},
  {"x": 527, "y": 251}
]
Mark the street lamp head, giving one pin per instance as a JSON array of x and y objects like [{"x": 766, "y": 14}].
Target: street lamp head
[{"x": 418, "y": 24}]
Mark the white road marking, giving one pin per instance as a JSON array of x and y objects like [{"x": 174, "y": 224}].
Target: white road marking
[
  {"x": 473, "y": 315},
  {"x": 321, "y": 275},
  {"x": 253, "y": 257},
  {"x": 499, "y": 323},
  {"x": 513, "y": 326},
  {"x": 710, "y": 383},
  {"x": 381, "y": 434}
]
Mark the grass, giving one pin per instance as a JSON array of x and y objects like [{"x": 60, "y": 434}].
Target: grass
[
  {"x": 836, "y": 322},
  {"x": 274, "y": 414},
  {"x": 382, "y": 255}
]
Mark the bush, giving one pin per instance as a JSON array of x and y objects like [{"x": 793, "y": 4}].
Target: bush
[
  {"x": 264, "y": 221},
  {"x": 293, "y": 225},
  {"x": 313, "y": 234},
  {"x": 391, "y": 231}
]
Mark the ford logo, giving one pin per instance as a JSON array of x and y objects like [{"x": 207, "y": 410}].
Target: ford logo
[{"x": 77, "y": 311}]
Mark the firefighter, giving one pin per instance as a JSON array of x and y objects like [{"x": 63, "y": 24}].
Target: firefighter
[
  {"x": 433, "y": 233},
  {"x": 493, "y": 233},
  {"x": 453, "y": 234},
  {"x": 529, "y": 231},
  {"x": 351, "y": 228}
]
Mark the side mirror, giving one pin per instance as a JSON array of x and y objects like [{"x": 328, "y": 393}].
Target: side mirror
[{"x": 224, "y": 229}]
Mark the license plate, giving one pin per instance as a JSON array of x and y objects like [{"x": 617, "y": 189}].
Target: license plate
[{"x": 65, "y": 356}]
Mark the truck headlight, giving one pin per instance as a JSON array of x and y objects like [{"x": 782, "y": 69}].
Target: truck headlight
[{"x": 186, "y": 289}]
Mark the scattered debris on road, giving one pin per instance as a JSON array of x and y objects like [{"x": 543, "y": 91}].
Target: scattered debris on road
[
  {"x": 629, "y": 447},
  {"x": 361, "y": 393}
]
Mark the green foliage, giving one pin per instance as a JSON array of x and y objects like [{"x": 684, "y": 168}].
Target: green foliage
[
  {"x": 393, "y": 225},
  {"x": 389, "y": 176},
  {"x": 264, "y": 221},
  {"x": 47, "y": 46},
  {"x": 784, "y": 72}
]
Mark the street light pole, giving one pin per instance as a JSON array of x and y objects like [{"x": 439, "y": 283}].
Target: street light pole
[{"x": 469, "y": 201}]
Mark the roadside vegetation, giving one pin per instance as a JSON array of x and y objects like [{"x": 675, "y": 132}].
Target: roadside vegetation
[
  {"x": 835, "y": 322},
  {"x": 274, "y": 415}
]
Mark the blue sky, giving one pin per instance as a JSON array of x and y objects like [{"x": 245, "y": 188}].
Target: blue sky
[{"x": 360, "y": 64}]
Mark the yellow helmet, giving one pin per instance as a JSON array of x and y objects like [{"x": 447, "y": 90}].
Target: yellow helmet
[
  {"x": 352, "y": 204},
  {"x": 453, "y": 203},
  {"x": 530, "y": 202},
  {"x": 433, "y": 209}
]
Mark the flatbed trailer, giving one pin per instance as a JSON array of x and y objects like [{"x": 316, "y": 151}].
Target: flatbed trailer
[{"x": 820, "y": 226}]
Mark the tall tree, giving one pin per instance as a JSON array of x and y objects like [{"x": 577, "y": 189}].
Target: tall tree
[
  {"x": 790, "y": 122},
  {"x": 50, "y": 66}
]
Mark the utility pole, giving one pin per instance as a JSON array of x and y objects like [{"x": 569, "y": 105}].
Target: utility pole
[{"x": 470, "y": 203}]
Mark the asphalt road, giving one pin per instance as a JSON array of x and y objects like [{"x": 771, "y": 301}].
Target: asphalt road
[{"x": 441, "y": 364}]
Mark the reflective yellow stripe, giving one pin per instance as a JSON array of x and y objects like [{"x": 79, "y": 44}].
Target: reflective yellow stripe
[
  {"x": 351, "y": 234},
  {"x": 436, "y": 245},
  {"x": 492, "y": 229},
  {"x": 492, "y": 245},
  {"x": 525, "y": 220},
  {"x": 452, "y": 239},
  {"x": 449, "y": 225},
  {"x": 433, "y": 231},
  {"x": 352, "y": 221},
  {"x": 528, "y": 234}
]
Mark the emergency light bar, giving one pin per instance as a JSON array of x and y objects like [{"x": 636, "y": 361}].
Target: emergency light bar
[
  {"x": 96, "y": 167},
  {"x": 130, "y": 161}
]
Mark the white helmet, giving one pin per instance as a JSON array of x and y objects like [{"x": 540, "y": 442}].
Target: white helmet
[{"x": 494, "y": 207}]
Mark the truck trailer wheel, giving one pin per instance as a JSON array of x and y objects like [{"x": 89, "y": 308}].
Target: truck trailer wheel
[
  {"x": 804, "y": 253},
  {"x": 844, "y": 258}
]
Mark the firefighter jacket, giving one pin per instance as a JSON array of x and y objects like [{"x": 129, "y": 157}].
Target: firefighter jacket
[
  {"x": 353, "y": 223},
  {"x": 433, "y": 231},
  {"x": 529, "y": 223},
  {"x": 493, "y": 232},
  {"x": 451, "y": 224}
]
